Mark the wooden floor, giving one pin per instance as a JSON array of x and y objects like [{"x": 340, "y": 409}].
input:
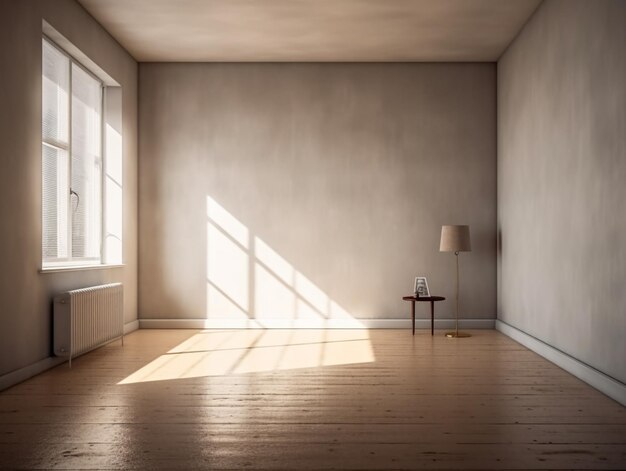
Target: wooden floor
[{"x": 377, "y": 399}]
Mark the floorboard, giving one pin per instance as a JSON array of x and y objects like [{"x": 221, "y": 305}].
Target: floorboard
[{"x": 310, "y": 399}]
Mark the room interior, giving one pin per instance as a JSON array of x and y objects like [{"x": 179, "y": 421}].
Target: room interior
[{"x": 271, "y": 177}]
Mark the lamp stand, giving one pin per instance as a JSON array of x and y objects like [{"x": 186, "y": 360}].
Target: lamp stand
[{"x": 456, "y": 333}]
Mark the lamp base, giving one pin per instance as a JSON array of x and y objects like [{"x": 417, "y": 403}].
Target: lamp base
[{"x": 457, "y": 335}]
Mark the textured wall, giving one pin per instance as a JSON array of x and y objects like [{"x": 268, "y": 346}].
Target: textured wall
[
  {"x": 25, "y": 315},
  {"x": 561, "y": 181},
  {"x": 339, "y": 177}
]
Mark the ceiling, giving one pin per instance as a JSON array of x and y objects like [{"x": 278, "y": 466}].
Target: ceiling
[{"x": 313, "y": 30}]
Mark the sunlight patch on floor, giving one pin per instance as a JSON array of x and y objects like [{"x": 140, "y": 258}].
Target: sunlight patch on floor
[{"x": 231, "y": 352}]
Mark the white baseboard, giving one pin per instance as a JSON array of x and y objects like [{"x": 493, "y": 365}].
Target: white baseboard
[
  {"x": 611, "y": 387},
  {"x": 14, "y": 377},
  {"x": 10, "y": 379},
  {"x": 311, "y": 323},
  {"x": 131, "y": 326}
]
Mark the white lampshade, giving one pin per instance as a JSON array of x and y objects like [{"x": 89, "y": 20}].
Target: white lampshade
[{"x": 455, "y": 239}]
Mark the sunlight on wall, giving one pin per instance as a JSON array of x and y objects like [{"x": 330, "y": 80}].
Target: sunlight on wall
[
  {"x": 113, "y": 195},
  {"x": 250, "y": 285},
  {"x": 227, "y": 275},
  {"x": 113, "y": 203},
  {"x": 247, "y": 280},
  {"x": 273, "y": 299},
  {"x": 227, "y": 222},
  {"x": 227, "y": 265},
  {"x": 232, "y": 352}
]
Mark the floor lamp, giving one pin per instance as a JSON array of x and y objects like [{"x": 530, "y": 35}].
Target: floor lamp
[{"x": 455, "y": 239}]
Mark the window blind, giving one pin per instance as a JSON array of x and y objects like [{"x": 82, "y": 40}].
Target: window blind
[
  {"x": 71, "y": 160},
  {"x": 55, "y": 162},
  {"x": 55, "y": 100},
  {"x": 86, "y": 164}
]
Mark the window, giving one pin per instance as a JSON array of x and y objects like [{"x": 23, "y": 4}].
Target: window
[{"x": 72, "y": 161}]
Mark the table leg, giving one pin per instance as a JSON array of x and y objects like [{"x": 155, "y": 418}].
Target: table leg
[
  {"x": 432, "y": 318},
  {"x": 413, "y": 316}
]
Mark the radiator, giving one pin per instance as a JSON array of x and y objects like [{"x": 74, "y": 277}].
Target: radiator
[{"x": 87, "y": 318}]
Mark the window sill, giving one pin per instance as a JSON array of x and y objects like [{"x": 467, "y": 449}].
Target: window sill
[{"x": 65, "y": 268}]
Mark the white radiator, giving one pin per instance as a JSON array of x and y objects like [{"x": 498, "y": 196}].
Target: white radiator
[{"x": 87, "y": 318}]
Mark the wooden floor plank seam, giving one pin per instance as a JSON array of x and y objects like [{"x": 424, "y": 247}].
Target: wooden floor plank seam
[{"x": 354, "y": 399}]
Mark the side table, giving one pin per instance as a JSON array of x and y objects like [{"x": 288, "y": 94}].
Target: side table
[{"x": 432, "y": 300}]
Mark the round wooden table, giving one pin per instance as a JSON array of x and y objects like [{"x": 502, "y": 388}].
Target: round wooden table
[{"x": 433, "y": 300}]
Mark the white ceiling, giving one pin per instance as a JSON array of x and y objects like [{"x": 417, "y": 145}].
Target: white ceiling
[{"x": 313, "y": 30}]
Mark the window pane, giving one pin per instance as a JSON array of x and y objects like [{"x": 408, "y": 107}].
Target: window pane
[
  {"x": 55, "y": 103},
  {"x": 86, "y": 164},
  {"x": 55, "y": 202}
]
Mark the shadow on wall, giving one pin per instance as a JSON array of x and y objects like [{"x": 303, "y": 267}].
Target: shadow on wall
[{"x": 251, "y": 285}]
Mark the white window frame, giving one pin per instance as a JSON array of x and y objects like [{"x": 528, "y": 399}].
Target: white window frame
[{"x": 74, "y": 262}]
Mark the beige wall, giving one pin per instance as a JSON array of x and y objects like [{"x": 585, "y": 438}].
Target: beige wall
[
  {"x": 338, "y": 176},
  {"x": 25, "y": 315},
  {"x": 561, "y": 181}
]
